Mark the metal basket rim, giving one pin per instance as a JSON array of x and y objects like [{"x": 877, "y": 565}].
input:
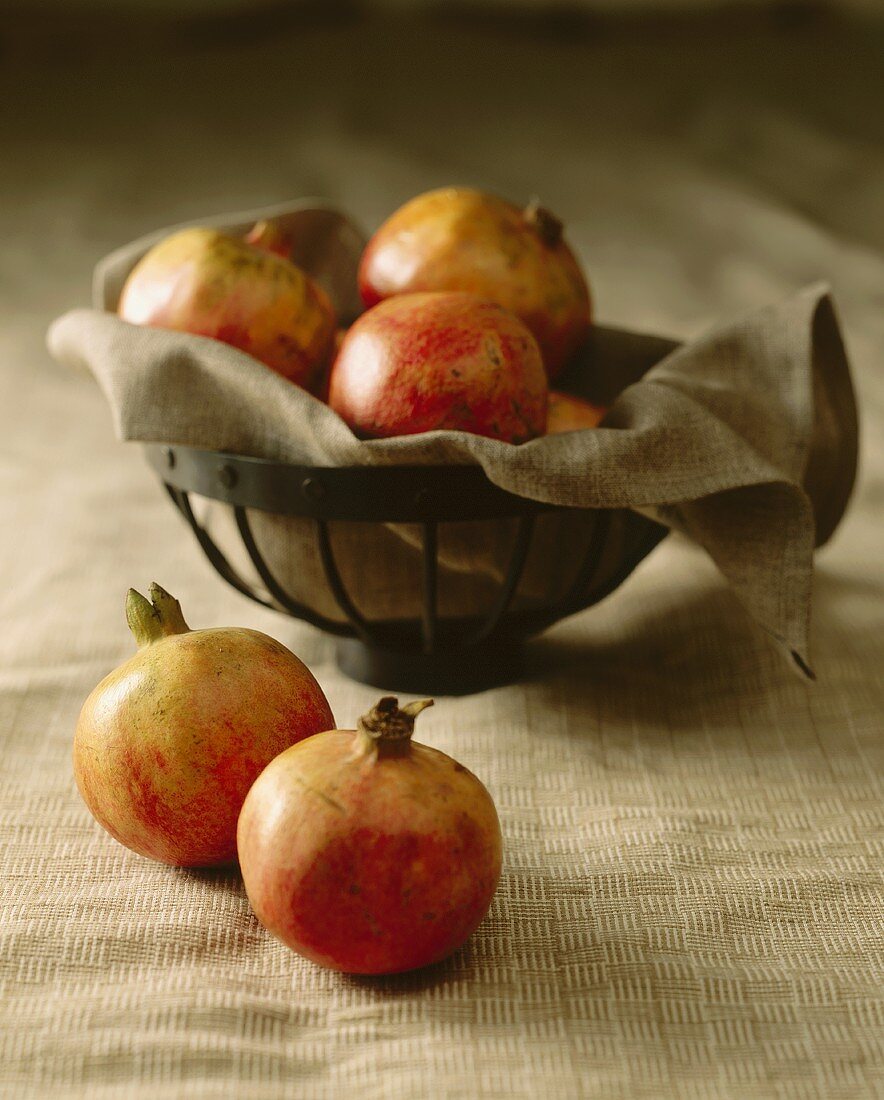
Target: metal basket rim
[
  {"x": 437, "y": 651},
  {"x": 394, "y": 493}
]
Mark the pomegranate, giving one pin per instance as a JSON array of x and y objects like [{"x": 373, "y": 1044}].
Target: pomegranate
[
  {"x": 243, "y": 292},
  {"x": 320, "y": 382},
  {"x": 169, "y": 743},
  {"x": 367, "y": 852},
  {"x": 457, "y": 238},
  {"x": 418, "y": 362},
  {"x": 567, "y": 413}
]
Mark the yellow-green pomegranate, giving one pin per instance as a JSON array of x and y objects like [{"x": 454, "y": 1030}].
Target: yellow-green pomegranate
[
  {"x": 458, "y": 238},
  {"x": 244, "y": 292},
  {"x": 169, "y": 743}
]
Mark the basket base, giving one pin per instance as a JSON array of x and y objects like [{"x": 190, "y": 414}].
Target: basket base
[{"x": 455, "y": 671}]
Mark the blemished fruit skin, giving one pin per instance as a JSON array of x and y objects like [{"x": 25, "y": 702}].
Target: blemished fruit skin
[
  {"x": 420, "y": 362},
  {"x": 168, "y": 745},
  {"x": 369, "y": 863},
  {"x": 459, "y": 238},
  {"x": 567, "y": 413},
  {"x": 207, "y": 283}
]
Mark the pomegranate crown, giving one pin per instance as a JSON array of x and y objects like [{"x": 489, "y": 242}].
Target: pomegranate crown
[
  {"x": 154, "y": 619},
  {"x": 269, "y": 236},
  {"x": 388, "y": 724}
]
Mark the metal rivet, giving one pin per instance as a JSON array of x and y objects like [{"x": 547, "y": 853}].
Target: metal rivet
[
  {"x": 312, "y": 489},
  {"x": 227, "y": 476},
  {"x": 169, "y": 456}
]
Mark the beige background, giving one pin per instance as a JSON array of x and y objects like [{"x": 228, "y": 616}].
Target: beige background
[{"x": 692, "y": 898}]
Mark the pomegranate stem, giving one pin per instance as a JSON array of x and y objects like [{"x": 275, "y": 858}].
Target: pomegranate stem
[
  {"x": 154, "y": 619},
  {"x": 545, "y": 224}
]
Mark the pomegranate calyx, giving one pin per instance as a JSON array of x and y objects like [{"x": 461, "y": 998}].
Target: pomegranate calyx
[
  {"x": 387, "y": 727},
  {"x": 152, "y": 620},
  {"x": 269, "y": 236},
  {"x": 543, "y": 222}
]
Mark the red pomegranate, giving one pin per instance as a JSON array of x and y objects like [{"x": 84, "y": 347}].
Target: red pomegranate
[
  {"x": 169, "y": 743},
  {"x": 367, "y": 852},
  {"x": 458, "y": 238},
  {"x": 418, "y": 362},
  {"x": 567, "y": 413}
]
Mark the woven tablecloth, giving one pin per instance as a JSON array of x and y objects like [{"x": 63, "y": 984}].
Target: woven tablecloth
[{"x": 692, "y": 901}]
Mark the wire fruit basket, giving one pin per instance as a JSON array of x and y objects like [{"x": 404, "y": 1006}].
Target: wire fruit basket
[{"x": 429, "y": 651}]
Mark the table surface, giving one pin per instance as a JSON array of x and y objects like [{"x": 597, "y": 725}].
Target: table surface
[{"x": 691, "y": 903}]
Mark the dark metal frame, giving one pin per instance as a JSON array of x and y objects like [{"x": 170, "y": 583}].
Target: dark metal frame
[{"x": 433, "y": 654}]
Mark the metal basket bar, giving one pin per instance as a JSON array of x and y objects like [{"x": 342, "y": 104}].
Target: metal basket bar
[
  {"x": 210, "y": 548},
  {"x": 514, "y": 571},
  {"x": 229, "y": 574},
  {"x": 275, "y": 589},
  {"x": 360, "y": 625},
  {"x": 429, "y": 616},
  {"x": 591, "y": 560},
  {"x": 530, "y": 621},
  {"x": 653, "y": 534}
]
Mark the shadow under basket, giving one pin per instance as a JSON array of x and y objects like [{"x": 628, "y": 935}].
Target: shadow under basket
[{"x": 474, "y": 569}]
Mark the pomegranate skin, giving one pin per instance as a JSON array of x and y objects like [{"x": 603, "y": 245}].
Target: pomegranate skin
[
  {"x": 245, "y": 294},
  {"x": 167, "y": 745},
  {"x": 419, "y": 362},
  {"x": 366, "y": 863},
  {"x": 567, "y": 413},
  {"x": 458, "y": 238}
]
